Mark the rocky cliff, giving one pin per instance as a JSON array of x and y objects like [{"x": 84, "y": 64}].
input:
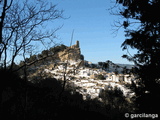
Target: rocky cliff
[{"x": 70, "y": 53}]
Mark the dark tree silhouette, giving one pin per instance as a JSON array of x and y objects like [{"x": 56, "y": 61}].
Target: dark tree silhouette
[
  {"x": 21, "y": 24},
  {"x": 108, "y": 63},
  {"x": 145, "y": 38},
  {"x": 115, "y": 103}
]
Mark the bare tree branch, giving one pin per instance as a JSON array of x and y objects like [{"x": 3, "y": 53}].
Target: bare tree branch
[{"x": 23, "y": 25}]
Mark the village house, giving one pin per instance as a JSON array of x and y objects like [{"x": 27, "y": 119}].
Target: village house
[{"x": 85, "y": 78}]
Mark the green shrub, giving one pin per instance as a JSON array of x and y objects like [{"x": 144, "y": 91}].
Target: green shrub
[{"x": 101, "y": 77}]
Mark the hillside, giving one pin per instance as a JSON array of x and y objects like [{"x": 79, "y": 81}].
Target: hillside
[
  {"x": 128, "y": 66},
  {"x": 64, "y": 53},
  {"x": 67, "y": 64}
]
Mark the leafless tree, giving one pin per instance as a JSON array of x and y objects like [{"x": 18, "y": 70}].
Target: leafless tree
[
  {"x": 23, "y": 26},
  {"x": 65, "y": 69}
]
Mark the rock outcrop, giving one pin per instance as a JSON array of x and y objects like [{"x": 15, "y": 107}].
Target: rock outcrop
[{"x": 72, "y": 53}]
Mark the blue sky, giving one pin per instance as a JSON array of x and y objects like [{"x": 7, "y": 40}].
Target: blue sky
[{"x": 92, "y": 24}]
